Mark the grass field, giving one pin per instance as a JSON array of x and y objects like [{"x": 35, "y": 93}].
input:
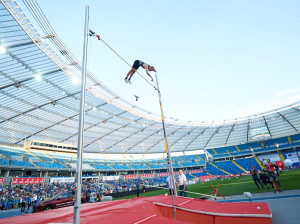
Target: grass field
[{"x": 289, "y": 180}]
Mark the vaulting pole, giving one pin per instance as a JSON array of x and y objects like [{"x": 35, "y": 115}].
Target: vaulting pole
[
  {"x": 78, "y": 181},
  {"x": 171, "y": 173}
]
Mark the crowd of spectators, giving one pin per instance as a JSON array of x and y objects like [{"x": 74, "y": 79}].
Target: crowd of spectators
[{"x": 24, "y": 196}]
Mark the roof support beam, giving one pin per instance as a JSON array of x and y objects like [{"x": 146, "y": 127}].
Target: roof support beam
[
  {"x": 27, "y": 79},
  {"x": 267, "y": 126},
  {"x": 248, "y": 128},
  {"x": 20, "y": 44},
  {"x": 212, "y": 136},
  {"x": 284, "y": 118},
  {"x": 164, "y": 138},
  {"x": 202, "y": 132},
  {"x": 230, "y": 133}
]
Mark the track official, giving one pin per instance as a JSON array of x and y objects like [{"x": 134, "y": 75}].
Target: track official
[{"x": 182, "y": 183}]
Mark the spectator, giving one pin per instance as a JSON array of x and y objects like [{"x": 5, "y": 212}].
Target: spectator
[
  {"x": 264, "y": 178},
  {"x": 88, "y": 194},
  {"x": 182, "y": 184},
  {"x": 272, "y": 175},
  {"x": 255, "y": 178}
]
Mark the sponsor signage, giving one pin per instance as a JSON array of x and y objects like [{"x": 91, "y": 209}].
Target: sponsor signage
[
  {"x": 162, "y": 174},
  {"x": 195, "y": 171},
  {"x": 30, "y": 180},
  {"x": 207, "y": 177},
  {"x": 111, "y": 177},
  {"x": 62, "y": 179},
  {"x": 167, "y": 174},
  {"x": 1, "y": 180},
  {"x": 125, "y": 177},
  {"x": 147, "y": 175}
]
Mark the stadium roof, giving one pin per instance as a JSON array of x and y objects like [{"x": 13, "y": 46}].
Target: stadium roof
[{"x": 40, "y": 96}]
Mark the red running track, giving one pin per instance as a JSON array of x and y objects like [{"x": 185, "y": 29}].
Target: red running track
[{"x": 156, "y": 209}]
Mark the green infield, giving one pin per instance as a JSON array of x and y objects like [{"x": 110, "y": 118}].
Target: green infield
[{"x": 289, "y": 180}]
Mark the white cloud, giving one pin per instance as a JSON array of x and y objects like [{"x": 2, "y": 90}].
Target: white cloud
[
  {"x": 287, "y": 92},
  {"x": 280, "y": 99}
]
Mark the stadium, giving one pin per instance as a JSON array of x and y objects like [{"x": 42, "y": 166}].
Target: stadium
[{"x": 124, "y": 150}]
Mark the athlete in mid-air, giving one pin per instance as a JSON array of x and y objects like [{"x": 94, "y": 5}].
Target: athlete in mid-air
[{"x": 135, "y": 66}]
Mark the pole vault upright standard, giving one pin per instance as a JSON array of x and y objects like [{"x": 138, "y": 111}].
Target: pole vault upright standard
[
  {"x": 171, "y": 173},
  {"x": 78, "y": 181}
]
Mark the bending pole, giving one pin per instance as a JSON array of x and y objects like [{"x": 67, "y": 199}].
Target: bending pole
[
  {"x": 171, "y": 173},
  {"x": 78, "y": 180}
]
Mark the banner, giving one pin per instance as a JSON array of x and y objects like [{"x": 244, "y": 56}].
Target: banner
[
  {"x": 195, "y": 171},
  {"x": 162, "y": 174},
  {"x": 62, "y": 179},
  {"x": 111, "y": 178},
  {"x": 206, "y": 178},
  {"x": 26, "y": 180},
  {"x": 125, "y": 177},
  {"x": 1, "y": 180},
  {"x": 167, "y": 174},
  {"x": 147, "y": 175}
]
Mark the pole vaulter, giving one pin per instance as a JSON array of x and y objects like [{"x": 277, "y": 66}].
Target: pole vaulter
[{"x": 148, "y": 68}]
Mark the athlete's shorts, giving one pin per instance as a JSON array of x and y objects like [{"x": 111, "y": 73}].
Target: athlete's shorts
[
  {"x": 273, "y": 176},
  {"x": 137, "y": 64}
]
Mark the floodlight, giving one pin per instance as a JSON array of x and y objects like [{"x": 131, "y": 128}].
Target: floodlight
[
  {"x": 38, "y": 77},
  {"x": 2, "y": 50}
]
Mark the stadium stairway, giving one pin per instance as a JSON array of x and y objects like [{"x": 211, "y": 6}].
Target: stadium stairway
[
  {"x": 30, "y": 153},
  {"x": 3, "y": 156},
  {"x": 238, "y": 166},
  {"x": 53, "y": 159},
  {"x": 88, "y": 160},
  {"x": 199, "y": 157},
  {"x": 111, "y": 162},
  {"x": 164, "y": 160},
  {"x": 147, "y": 166},
  {"x": 257, "y": 160},
  {"x": 34, "y": 164},
  {"x": 198, "y": 163},
  {"x": 237, "y": 148},
  {"x": 146, "y": 162},
  {"x": 130, "y": 166},
  {"x": 128, "y": 161},
  {"x": 220, "y": 169},
  {"x": 193, "y": 176},
  {"x": 215, "y": 151},
  {"x": 50, "y": 157},
  {"x": 281, "y": 156},
  {"x": 180, "y": 159}
]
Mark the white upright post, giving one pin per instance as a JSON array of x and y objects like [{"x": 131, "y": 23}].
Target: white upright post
[{"x": 78, "y": 180}]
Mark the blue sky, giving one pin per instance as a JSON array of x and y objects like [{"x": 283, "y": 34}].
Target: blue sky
[{"x": 215, "y": 59}]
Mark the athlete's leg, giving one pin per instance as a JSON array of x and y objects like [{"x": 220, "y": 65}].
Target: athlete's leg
[
  {"x": 129, "y": 73},
  {"x": 132, "y": 73}
]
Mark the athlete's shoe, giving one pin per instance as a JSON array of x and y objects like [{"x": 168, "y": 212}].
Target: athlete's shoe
[
  {"x": 129, "y": 81},
  {"x": 126, "y": 80}
]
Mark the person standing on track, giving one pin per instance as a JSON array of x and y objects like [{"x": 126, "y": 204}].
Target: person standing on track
[
  {"x": 255, "y": 178},
  {"x": 182, "y": 183},
  {"x": 272, "y": 175},
  {"x": 135, "y": 67}
]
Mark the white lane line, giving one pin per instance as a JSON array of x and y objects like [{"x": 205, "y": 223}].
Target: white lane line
[
  {"x": 184, "y": 202},
  {"x": 145, "y": 219}
]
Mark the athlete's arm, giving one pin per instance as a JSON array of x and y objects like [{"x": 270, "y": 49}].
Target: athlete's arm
[{"x": 147, "y": 71}]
